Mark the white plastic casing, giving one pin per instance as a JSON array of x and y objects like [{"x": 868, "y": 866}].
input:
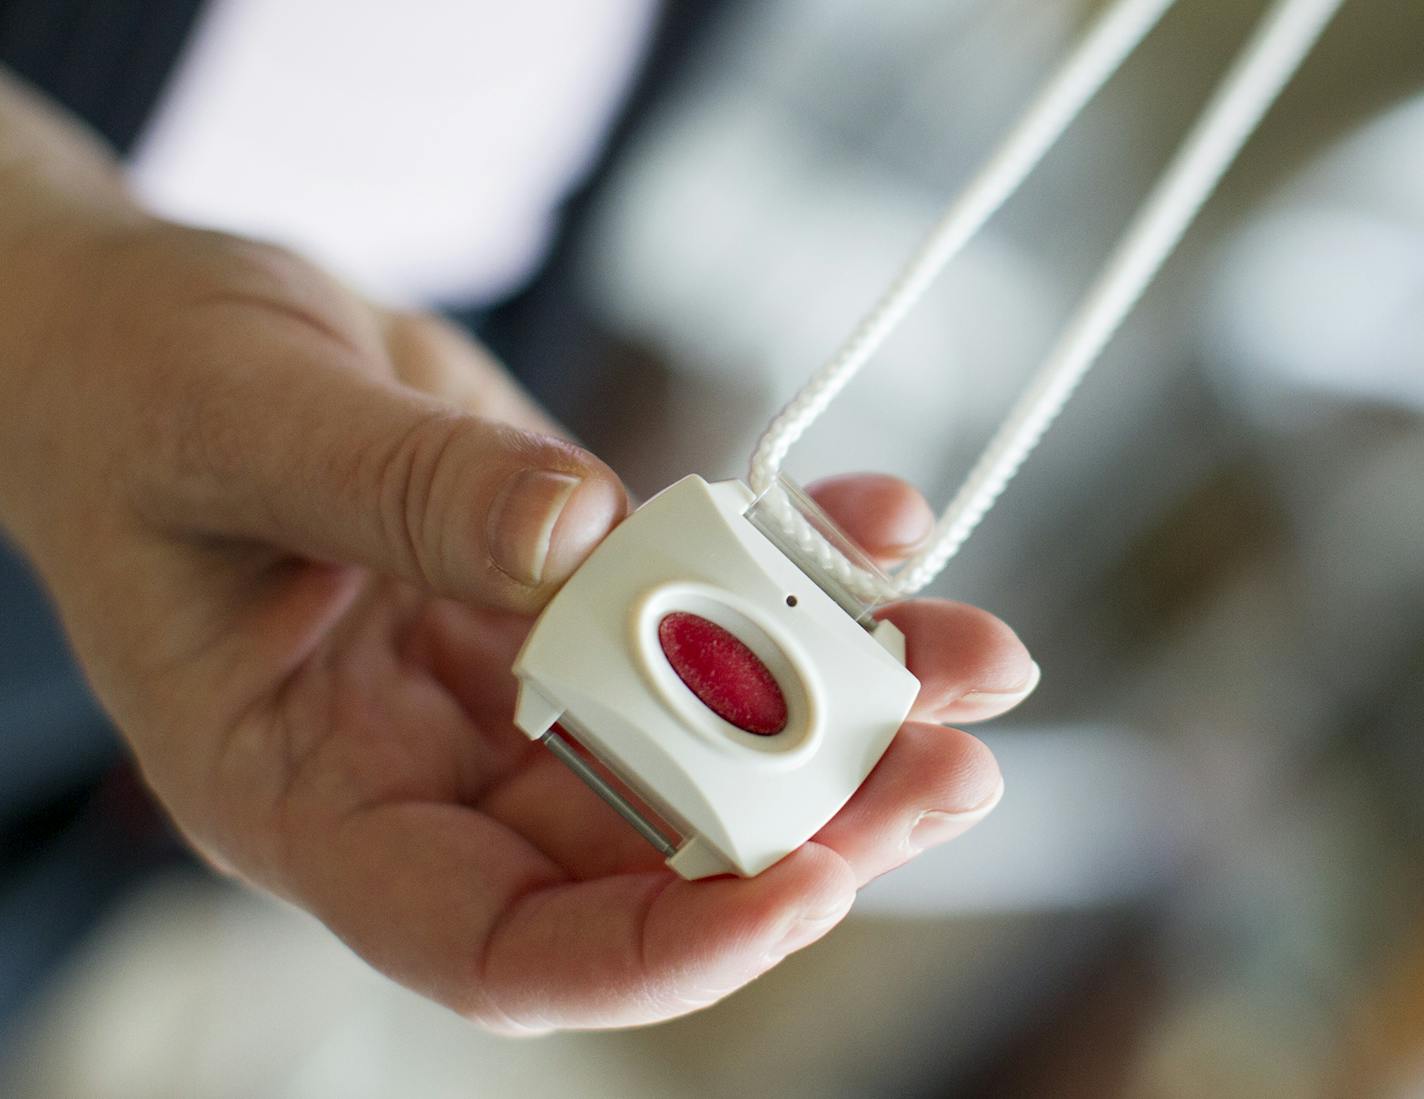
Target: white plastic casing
[{"x": 593, "y": 664}]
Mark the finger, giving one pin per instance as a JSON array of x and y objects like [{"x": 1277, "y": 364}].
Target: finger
[
  {"x": 932, "y": 785},
  {"x": 436, "y": 357},
  {"x": 455, "y": 906},
  {"x": 970, "y": 665},
  {"x": 639, "y": 948},
  {"x": 885, "y": 516},
  {"x": 470, "y": 652},
  {"x": 300, "y": 448}
]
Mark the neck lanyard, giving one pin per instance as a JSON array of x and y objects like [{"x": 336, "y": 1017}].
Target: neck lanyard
[{"x": 1261, "y": 72}]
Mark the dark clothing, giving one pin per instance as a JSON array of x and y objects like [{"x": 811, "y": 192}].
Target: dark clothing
[{"x": 105, "y": 60}]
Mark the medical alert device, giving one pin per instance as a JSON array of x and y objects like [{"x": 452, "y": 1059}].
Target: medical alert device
[
  {"x": 694, "y": 654},
  {"x": 708, "y": 674}
]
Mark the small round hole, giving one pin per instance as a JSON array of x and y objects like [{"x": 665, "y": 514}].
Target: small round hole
[{"x": 791, "y": 600}]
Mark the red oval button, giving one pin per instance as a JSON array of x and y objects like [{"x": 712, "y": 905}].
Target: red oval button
[{"x": 719, "y": 669}]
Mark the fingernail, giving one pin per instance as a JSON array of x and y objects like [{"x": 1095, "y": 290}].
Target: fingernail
[
  {"x": 808, "y": 927},
  {"x": 1013, "y": 694},
  {"x": 939, "y": 826},
  {"x": 522, "y": 519}
]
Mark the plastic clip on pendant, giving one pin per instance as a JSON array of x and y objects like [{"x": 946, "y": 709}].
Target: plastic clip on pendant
[{"x": 713, "y": 670}]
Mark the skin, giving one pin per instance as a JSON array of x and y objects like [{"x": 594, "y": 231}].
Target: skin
[{"x": 275, "y": 519}]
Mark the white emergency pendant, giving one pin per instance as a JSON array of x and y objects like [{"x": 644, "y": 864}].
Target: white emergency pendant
[
  {"x": 697, "y": 735},
  {"x": 716, "y": 653}
]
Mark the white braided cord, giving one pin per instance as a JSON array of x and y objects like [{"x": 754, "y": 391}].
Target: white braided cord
[{"x": 1255, "y": 81}]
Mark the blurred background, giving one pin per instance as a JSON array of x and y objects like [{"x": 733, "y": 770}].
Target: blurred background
[{"x": 1207, "y": 876}]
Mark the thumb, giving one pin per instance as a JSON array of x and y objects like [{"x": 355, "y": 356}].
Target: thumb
[{"x": 348, "y": 468}]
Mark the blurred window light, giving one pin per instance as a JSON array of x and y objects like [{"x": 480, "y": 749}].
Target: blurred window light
[{"x": 1324, "y": 290}]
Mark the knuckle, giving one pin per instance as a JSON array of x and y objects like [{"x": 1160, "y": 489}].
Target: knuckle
[
  {"x": 253, "y": 264},
  {"x": 414, "y": 481},
  {"x": 420, "y": 361}
]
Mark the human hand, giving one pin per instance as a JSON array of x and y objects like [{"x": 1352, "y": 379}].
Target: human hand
[{"x": 297, "y": 540}]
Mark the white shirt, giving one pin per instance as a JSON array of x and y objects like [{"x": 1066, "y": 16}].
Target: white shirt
[{"x": 419, "y": 150}]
